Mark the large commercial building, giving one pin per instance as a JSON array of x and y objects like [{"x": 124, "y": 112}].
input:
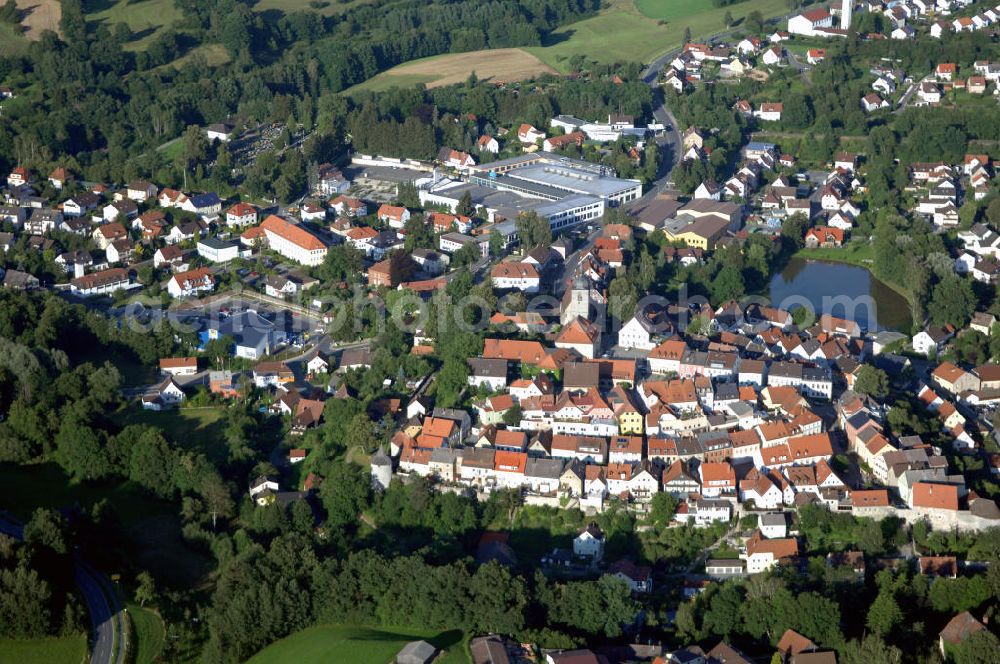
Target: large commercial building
[
  {"x": 565, "y": 191},
  {"x": 552, "y": 177},
  {"x": 293, "y": 241}
]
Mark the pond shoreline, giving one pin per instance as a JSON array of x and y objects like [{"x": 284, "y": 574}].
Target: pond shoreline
[
  {"x": 818, "y": 277},
  {"x": 847, "y": 255}
]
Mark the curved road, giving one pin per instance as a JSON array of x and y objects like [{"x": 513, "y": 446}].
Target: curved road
[{"x": 110, "y": 640}]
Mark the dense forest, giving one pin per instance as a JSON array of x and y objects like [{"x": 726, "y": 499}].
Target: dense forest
[{"x": 100, "y": 109}]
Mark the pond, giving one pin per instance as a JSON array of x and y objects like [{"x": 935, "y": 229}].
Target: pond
[{"x": 841, "y": 290}]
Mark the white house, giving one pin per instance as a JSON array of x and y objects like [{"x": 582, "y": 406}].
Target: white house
[
  {"x": 179, "y": 366},
  {"x": 101, "y": 283},
  {"x": 773, "y": 525},
  {"x": 240, "y": 215},
  {"x": 528, "y": 135},
  {"x": 589, "y": 543},
  {"x": 517, "y": 276},
  {"x": 395, "y": 216},
  {"x": 871, "y": 102},
  {"x": 808, "y": 23},
  {"x": 929, "y": 92},
  {"x": 931, "y": 338},
  {"x": 163, "y": 395},
  {"x": 191, "y": 282},
  {"x": 140, "y": 191},
  {"x": 488, "y": 144},
  {"x": 708, "y": 190},
  {"x": 762, "y": 554},
  {"x": 772, "y": 56},
  {"x": 218, "y": 251},
  {"x": 637, "y": 333},
  {"x": 220, "y": 131},
  {"x": 769, "y": 111}
]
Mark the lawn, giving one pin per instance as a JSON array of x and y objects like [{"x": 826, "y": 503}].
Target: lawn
[
  {"x": 12, "y": 42},
  {"x": 192, "y": 428},
  {"x": 65, "y": 650},
  {"x": 500, "y": 65},
  {"x": 672, "y": 10},
  {"x": 537, "y": 530},
  {"x": 359, "y": 645},
  {"x": 147, "y": 631},
  {"x": 214, "y": 54},
  {"x": 145, "y": 18},
  {"x": 624, "y": 31},
  {"x": 852, "y": 253}
]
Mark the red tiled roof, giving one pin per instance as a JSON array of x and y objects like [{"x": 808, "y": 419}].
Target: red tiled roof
[
  {"x": 935, "y": 496},
  {"x": 292, "y": 233}
]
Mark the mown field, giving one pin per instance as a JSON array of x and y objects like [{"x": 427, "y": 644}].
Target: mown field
[
  {"x": 65, "y": 650},
  {"x": 500, "y": 65},
  {"x": 640, "y": 30},
  {"x": 12, "y": 42},
  {"x": 199, "y": 429},
  {"x": 147, "y": 630},
  {"x": 40, "y": 15},
  {"x": 359, "y": 645}
]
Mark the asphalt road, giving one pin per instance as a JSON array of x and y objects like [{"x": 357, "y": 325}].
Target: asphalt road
[{"x": 107, "y": 621}]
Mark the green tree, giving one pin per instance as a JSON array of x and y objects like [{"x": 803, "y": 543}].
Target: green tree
[
  {"x": 24, "y": 603},
  {"x": 79, "y": 450},
  {"x": 952, "y": 302},
  {"x": 465, "y": 207},
  {"x": 512, "y": 417},
  {"x": 722, "y": 617},
  {"x": 361, "y": 434},
  {"x": 468, "y": 254},
  {"x": 345, "y": 493},
  {"x": 600, "y": 607},
  {"x": 46, "y": 528},
  {"x": 868, "y": 650},
  {"x": 533, "y": 230},
  {"x": 145, "y": 588},
  {"x": 498, "y": 600},
  {"x": 727, "y": 285},
  {"x": 152, "y": 464},
  {"x": 983, "y": 647},
  {"x": 663, "y": 508},
  {"x": 793, "y": 230},
  {"x": 872, "y": 381},
  {"x": 196, "y": 147},
  {"x": 993, "y": 212},
  {"x": 884, "y": 614}
]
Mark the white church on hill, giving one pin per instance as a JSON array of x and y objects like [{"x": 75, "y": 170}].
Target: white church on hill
[{"x": 818, "y": 22}]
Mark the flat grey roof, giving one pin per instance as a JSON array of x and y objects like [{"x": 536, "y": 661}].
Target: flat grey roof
[
  {"x": 566, "y": 177},
  {"x": 540, "y": 157},
  {"x": 216, "y": 243}
]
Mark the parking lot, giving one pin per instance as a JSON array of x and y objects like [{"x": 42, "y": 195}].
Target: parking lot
[{"x": 380, "y": 183}]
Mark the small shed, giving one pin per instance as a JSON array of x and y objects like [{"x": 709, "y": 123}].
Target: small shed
[{"x": 416, "y": 652}]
